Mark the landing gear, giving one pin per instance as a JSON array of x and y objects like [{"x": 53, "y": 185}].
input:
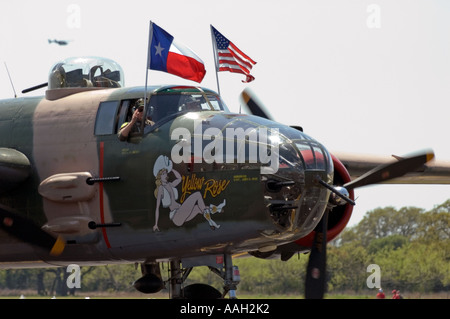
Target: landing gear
[
  {"x": 179, "y": 270},
  {"x": 230, "y": 275},
  {"x": 221, "y": 265},
  {"x": 177, "y": 277}
]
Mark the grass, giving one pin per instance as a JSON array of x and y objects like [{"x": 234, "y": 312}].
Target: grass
[{"x": 29, "y": 294}]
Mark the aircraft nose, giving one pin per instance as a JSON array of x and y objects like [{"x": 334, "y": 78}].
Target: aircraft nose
[
  {"x": 289, "y": 161},
  {"x": 295, "y": 199}
]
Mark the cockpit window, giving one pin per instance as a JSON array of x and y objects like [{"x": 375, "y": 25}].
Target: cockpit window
[
  {"x": 216, "y": 103},
  {"x": 165, "y": 105},
  {"x": 193, "y": 103}
]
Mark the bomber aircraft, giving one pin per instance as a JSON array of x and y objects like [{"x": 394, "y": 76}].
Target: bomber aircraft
[{"x": 189, "y": 183}]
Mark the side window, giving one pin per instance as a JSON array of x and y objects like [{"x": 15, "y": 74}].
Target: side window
[
  {"x": 106, "y": 118},
  {"x": 124, "y": 115},
  {"x": 126, "y": 110}
]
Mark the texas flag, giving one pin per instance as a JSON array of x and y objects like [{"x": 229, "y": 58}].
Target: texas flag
[{"x": 168, "y": 55}]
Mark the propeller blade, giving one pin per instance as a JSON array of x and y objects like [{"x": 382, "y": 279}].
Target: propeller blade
[
  {"x": 316, "y": 269},
  {"x": 27, "y": 231},
  {"x": 389, "y": 171},
  {"x": 253, "y": 105}
]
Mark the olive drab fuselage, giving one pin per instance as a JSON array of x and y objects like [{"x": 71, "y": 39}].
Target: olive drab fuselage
[{"x": 158, "y": 194}]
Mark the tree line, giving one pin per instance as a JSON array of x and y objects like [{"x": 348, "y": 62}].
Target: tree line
[{"x": 409, "y": 246}]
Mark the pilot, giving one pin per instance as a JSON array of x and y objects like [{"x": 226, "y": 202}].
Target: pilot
[
  {"x": 192, "y": 104},
  {"x": 134, "y": 125}
]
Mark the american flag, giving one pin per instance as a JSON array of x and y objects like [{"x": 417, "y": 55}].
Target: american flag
[{"x": 230, "y": 58}]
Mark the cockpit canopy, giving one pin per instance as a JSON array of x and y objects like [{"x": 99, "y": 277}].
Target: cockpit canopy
[
  {"x": 80, "y": 72},
  {"x": 165, "y": 103}
]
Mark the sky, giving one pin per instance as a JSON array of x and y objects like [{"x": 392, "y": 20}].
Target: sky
[{"x": 369, "y": 77}]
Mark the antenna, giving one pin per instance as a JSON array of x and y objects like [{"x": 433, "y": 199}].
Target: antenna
[{"x": 10, "y": 80}]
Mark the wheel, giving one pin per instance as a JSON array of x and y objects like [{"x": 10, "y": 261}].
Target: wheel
[{"x": 201, "y": 291}]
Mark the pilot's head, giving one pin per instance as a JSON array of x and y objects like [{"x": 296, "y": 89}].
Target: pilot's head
[
  {"x": 192, "y": 104},
  {"x": 140, "y": 104}
]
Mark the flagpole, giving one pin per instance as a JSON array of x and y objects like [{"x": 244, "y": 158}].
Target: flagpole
[
  {"x": 149, "y": 55},
  {"x": 215, "y": 57}
]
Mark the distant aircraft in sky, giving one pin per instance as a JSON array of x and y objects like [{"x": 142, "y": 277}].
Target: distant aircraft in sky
[{"x": 59, "y": 42}]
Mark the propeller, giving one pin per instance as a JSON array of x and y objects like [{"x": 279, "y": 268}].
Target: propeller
[
  {"x": 27, "y": 231},
  {"x": 253, "y": 105},
  {"x": 316, "y": 270},
  {"x": 315, "y": 281}
]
